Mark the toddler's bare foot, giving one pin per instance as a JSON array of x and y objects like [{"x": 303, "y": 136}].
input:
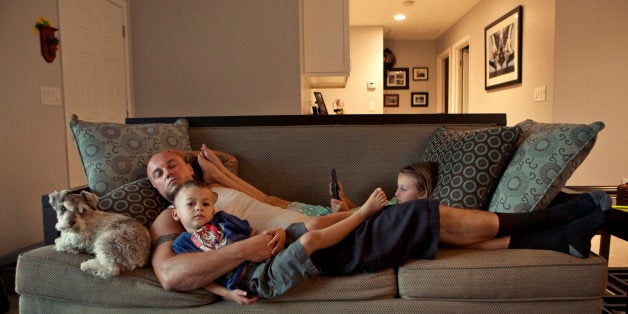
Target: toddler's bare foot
[{"x": 374, "y": 203}]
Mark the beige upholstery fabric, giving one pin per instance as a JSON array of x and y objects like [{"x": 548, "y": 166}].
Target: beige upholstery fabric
[
  {"x": 503, "y": 275},
  {"x": 58, "y": 276}
]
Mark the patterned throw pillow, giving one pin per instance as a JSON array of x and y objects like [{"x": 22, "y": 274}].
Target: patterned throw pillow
[
  {"x": 114, "y": 154},
  {"x": 469, "y": 163},
  {"x": 137, "y": 199},
  {"x": 546, "y": 158}
]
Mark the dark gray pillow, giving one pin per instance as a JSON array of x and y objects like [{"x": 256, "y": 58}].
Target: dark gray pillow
[
  {"x": 469, "y": 163},
  {"x": 113, "y": 154},
  {"x": 137, "y": 199}
]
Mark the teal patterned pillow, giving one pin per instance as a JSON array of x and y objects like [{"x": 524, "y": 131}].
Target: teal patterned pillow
[
  {"x": 137, "y": 199},
  {"x": 469, "y": 163},
  {"x": 546, "y": 158},
  {"x": 114, "y": 154}
]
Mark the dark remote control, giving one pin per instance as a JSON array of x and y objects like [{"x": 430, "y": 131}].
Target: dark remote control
[{"x": 334, "y": 185}]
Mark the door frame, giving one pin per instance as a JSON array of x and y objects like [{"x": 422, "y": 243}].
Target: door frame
[
  {"x": 62, "y": 4},
  {"x": 456, "y": 89}
]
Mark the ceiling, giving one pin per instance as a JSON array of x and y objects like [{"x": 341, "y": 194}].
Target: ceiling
[{"x": 425, "y": 19}]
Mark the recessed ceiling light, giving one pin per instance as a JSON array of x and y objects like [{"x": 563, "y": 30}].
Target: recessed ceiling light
[{"x": 399, "y": 17}]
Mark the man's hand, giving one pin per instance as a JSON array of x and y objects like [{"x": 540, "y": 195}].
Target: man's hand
[
  {"x": 278, "y": 240},
  {"x": 257, "y": 247}
]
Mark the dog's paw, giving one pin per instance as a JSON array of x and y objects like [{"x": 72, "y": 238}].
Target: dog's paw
[
  {"x": 66, "y": 249},
  {"x": 95, "y": 267}
]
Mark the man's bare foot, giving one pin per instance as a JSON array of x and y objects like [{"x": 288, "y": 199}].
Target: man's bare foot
[
  {"x": 374, "y": 203},
  {"x": 211, "y": 173},
  {"x": 210, "y": 155}
]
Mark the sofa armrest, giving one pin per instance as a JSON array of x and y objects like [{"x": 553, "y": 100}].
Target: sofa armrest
[{"x": 50, "y": 217}]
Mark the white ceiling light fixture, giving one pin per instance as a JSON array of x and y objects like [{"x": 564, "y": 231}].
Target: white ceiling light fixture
[{"x": 399, "y": 17}]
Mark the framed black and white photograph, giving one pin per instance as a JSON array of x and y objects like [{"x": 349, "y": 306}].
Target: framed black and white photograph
[
  {"x": 396, "y": 78},
  {"x": 391, "y": 100},
  {"x": 502, "y": 50},
  {"x": 419, "y": 99},
  {"x": 420, "y": 74}
]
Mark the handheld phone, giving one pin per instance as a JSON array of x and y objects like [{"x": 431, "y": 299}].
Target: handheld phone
[{"x": 334, "y": 185}]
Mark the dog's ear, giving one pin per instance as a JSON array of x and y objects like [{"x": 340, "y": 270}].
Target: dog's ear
[
  {"x": 56, "y": 198},
  {"x": 91, "y": 199}
]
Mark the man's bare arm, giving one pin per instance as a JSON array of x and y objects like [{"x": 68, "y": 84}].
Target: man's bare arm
[{"x": 194, "y": 270}]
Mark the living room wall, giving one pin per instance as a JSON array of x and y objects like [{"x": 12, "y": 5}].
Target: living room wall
[
  {"x": 590, "y": 82},
  {"x": 538, "y": 59},
  {"x": 215, "y": 57},
  {"x": 575, "y": 49},
  {"x": 33, "y": 135}
]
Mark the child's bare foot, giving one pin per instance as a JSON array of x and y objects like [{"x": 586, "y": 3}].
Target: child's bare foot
[{"x": 374, "y": 203}]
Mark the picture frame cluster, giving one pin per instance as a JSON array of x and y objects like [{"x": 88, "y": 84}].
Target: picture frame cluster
[{"x": 398, "y": 79}]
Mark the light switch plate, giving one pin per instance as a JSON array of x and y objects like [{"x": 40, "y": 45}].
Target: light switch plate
[{"x": 540, "y": 93}]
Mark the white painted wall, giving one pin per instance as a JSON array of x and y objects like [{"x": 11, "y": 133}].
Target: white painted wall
[
  {"x": 575, "y": 48},
  {"x": 538, "y": 59},
  {"x": 591, "y": 82},
  {"x": 33, "y": 135},
  {"x": 366, "y": 65},
  {"x": 214, "y": 58},
  {"x": 411, "y": 54}
]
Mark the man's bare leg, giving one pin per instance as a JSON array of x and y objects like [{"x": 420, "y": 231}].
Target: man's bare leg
[
  {"x": 322, "y": 238},
  {"x": 466, "y": 226}
]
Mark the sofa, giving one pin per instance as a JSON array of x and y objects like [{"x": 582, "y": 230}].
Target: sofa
[{"x": 482, "y": 163}]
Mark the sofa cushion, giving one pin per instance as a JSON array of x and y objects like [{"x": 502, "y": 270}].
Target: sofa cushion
[
  {"x": 113, "y": 154},
  {"x": 48, "y": 273},
  {"x": 137, "y": 199},
  {"x": 525, "y": 275},
  {"x": 548, "y": 155},
  {"x": 469, "y": 163}
]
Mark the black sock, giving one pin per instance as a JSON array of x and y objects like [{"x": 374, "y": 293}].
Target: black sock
[
  {"x": 573, "y": 238},
  {"x": 559, "y": 215}
]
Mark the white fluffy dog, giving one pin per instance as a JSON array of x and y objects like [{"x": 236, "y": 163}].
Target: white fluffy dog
[{"x": 118, "y": 242}]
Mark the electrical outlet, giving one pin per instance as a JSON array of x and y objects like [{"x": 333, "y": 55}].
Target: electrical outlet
[
  {"x": 371, "y": 106},
  {"x": 50, "y": 95}
]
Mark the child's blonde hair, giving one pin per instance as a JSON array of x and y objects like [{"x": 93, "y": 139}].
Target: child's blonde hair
[{"x": 425, "y": 173}]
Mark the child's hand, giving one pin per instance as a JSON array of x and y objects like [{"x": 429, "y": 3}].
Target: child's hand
[
  {"x": 239, "y": 296},
  {"x": 278, "y": 240},
  {"x": 338, "y": 205}
]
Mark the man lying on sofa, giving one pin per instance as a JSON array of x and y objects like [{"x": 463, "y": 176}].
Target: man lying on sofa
[{"x": 566, "y": 228}]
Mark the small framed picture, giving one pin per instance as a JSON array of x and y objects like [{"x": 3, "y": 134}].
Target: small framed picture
[
  {"x": 396, "y": 78},
  {"x": 391, "y": 100},
  {"x": 420, "y": 74},
  {"x": 419, "y": 99}
]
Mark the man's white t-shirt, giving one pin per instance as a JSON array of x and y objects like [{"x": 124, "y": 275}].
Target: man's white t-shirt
[{"x": 260, "y": 216}]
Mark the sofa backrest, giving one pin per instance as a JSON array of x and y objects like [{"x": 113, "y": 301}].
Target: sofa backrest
[{"x": 292, "y": 156}]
